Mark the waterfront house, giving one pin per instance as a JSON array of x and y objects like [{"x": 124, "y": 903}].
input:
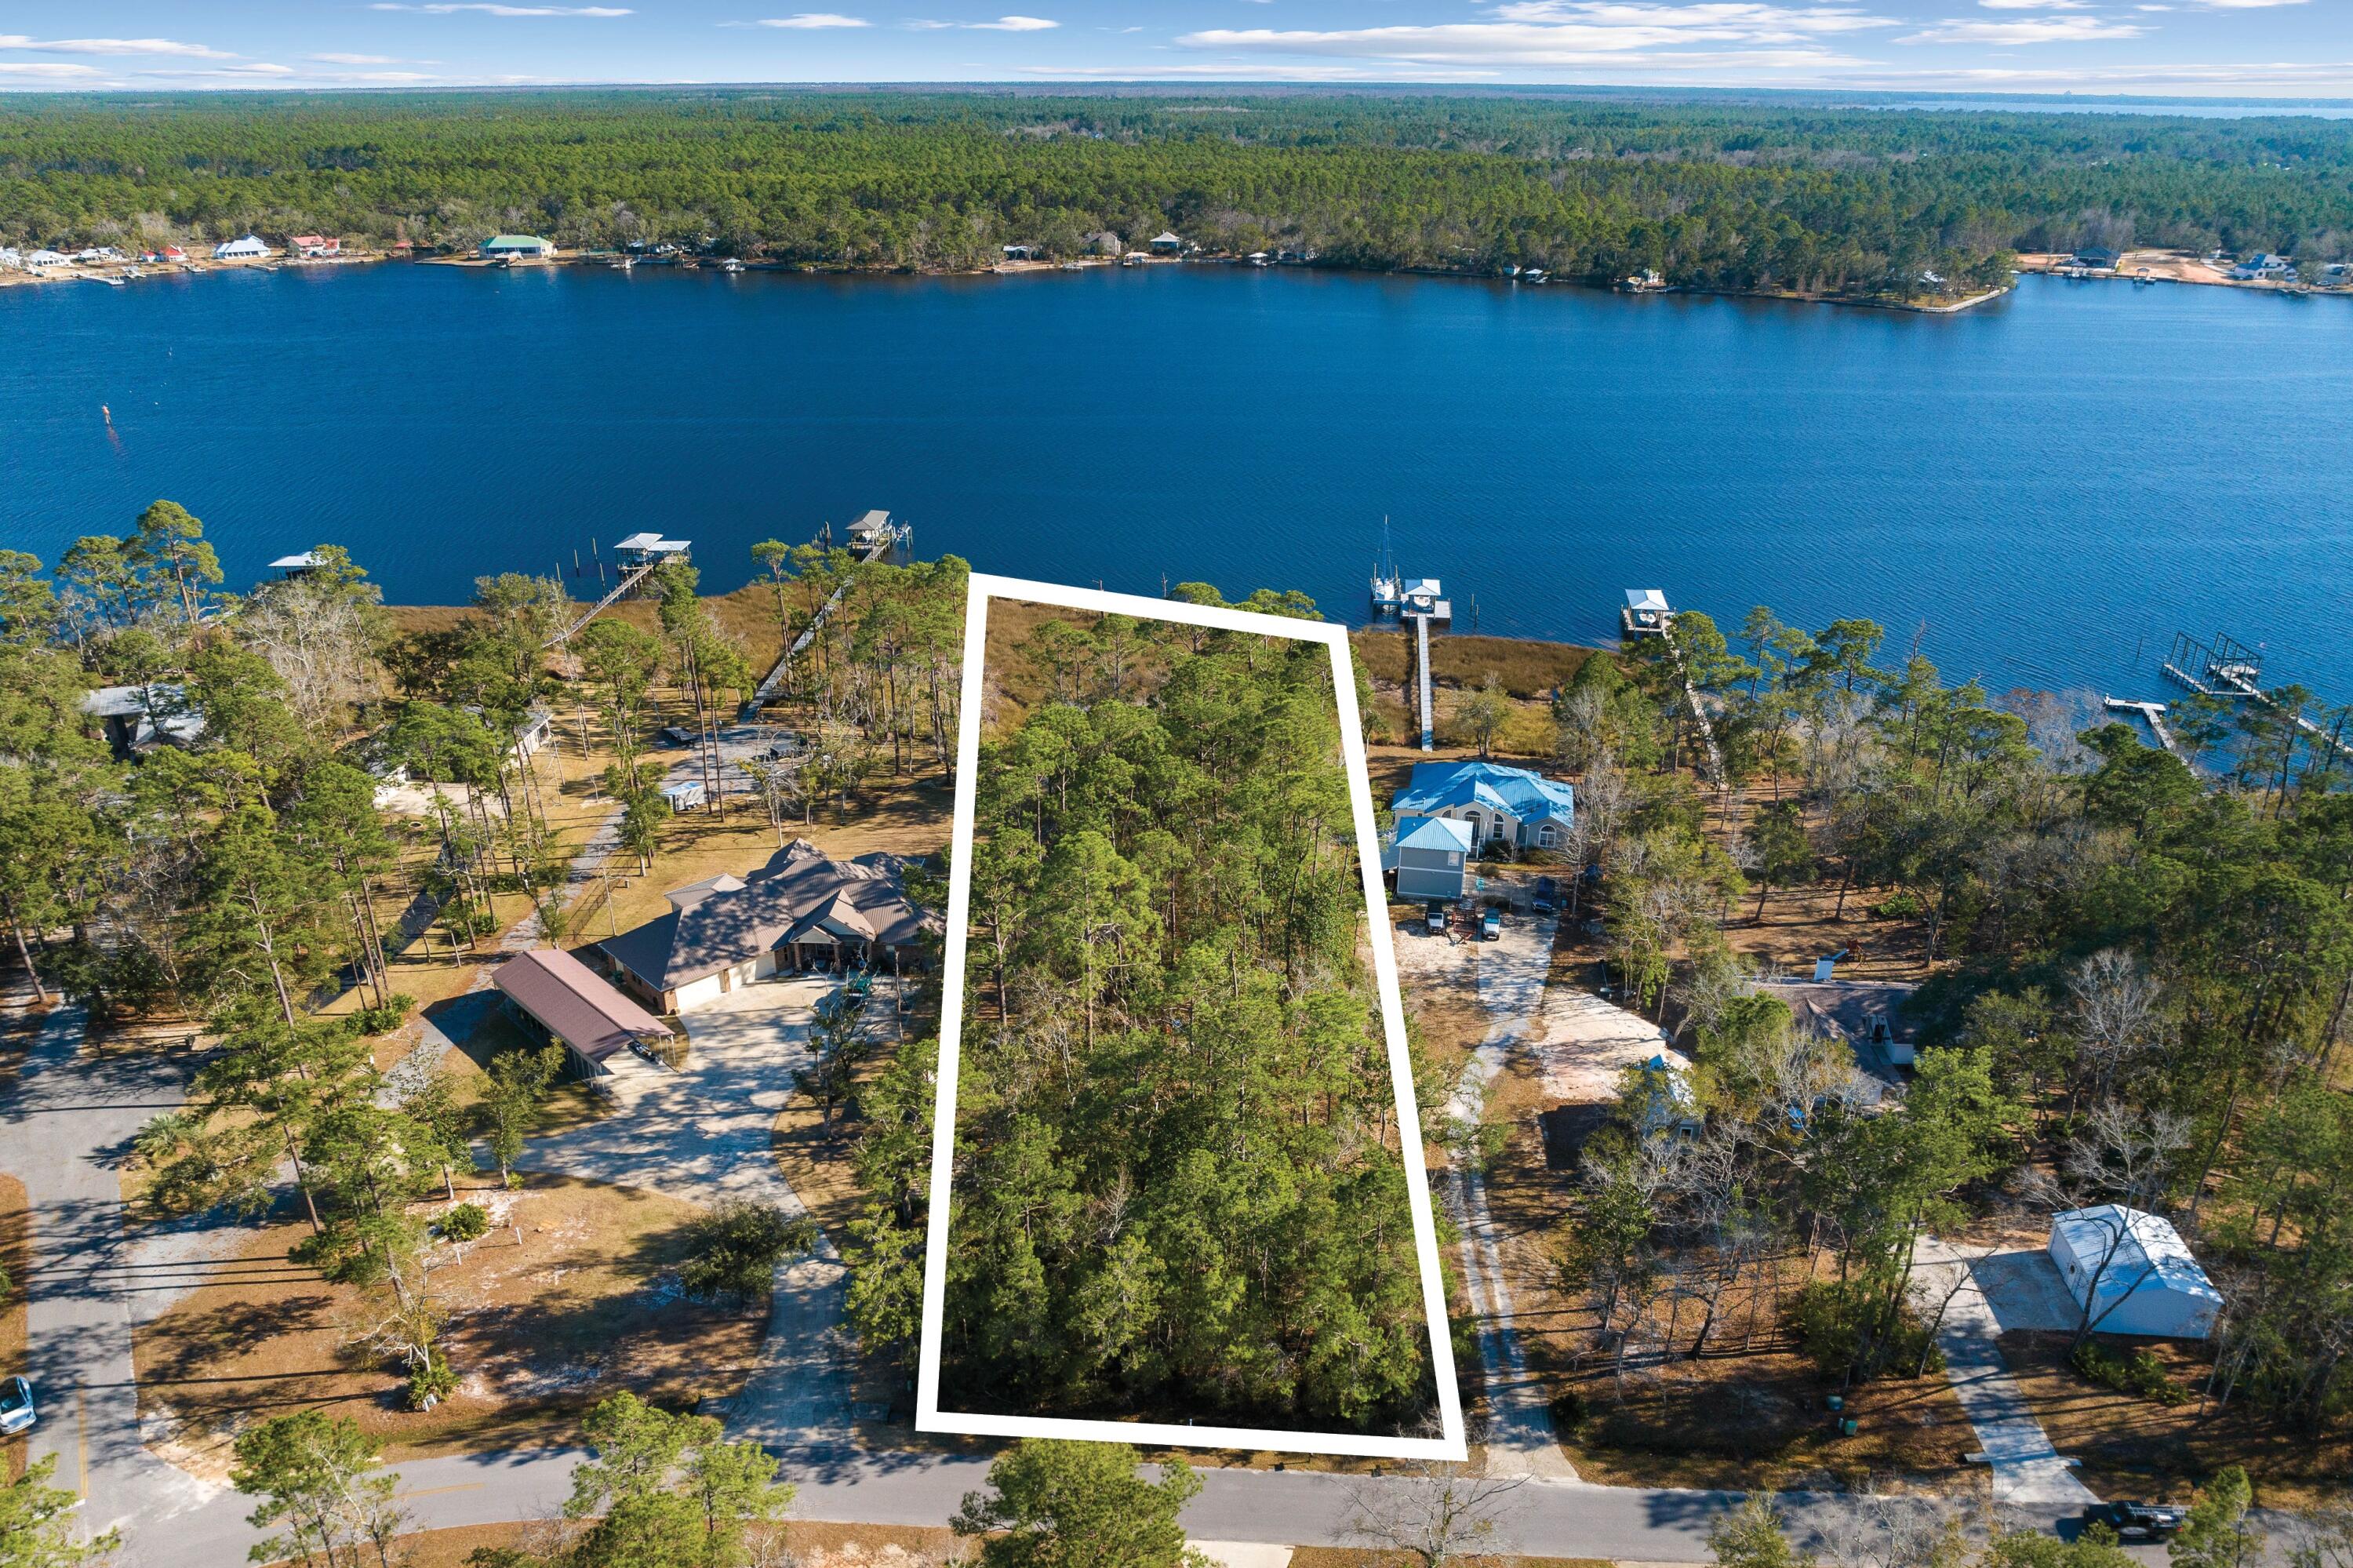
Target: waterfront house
[
  {"x": 2134, "y": 1272},
  {"x": 2263, "y": 267},
  {"x": 1020, "y": 252},
  {"x": 249, "y": 248},
  {"x": 803, "y": 910},
  {"x": 169, "y": 253},
  {"x": 11, "y": 258},
  {"x": 1167, "y": 244},
  {"x": 1428, "y": 857},
  {"x": 46, "y": 258},
  {"x": 2096, "y": 258},
  {"x": 1103, "y": 243},
  {"x": 529, "y": 247},
  {"x": 137, "y": 719},
  {"x": 1507, "y": 807},
  {"x": 315, "y": 245},
  {"x": 555, "y": 997}
]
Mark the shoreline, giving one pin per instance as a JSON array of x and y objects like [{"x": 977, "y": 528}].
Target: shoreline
[{"x": 121, "y": 275}]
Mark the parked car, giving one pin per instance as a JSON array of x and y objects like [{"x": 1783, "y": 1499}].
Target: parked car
[
  {"x": 1547, "y": 895},
  {"x": 2136, "y": 1521},
  {"x": 1491, "y": 924},
  {"x": 16, "y": 1406},
  {"x": 1435, "y": 921}
]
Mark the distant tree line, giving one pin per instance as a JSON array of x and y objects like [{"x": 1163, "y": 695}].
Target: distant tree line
[{"x": 1739, "y": 197}]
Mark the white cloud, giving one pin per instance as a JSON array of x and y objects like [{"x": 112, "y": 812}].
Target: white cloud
[
  {"x": 113, "y": 46},
  {"x": 46, "y": 70},
  {"x": 1580, "y": 33},
  {"x": 2032, "y": 5},
  {"x": 446, "y": 8},
  {"x": 1245, "y": 72},
  {"x": 1015, "y": 25},
  {"x": 2246, "y": 5},
  {"x": 351, "y": 59},
  {"x": 2042, "y": 30},
  {"x": 926, "y": 27},
  {"x": 807, "y": 20}
]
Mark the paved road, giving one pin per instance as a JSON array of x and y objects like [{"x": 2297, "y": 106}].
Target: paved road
[{"x": 68, "y": 1128}]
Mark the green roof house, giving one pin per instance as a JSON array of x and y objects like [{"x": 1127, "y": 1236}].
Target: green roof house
[{"x": 503, "y": 245}]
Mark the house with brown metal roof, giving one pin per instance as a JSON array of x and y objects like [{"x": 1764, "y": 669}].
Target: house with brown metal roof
[
  {"x": 555, "y": 997},
  {"x": 804, "y": 910}
]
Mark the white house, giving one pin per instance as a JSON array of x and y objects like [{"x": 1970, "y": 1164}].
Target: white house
[
  {"x": 45, "y": 258},
  {"x": 1430, "y": 856},
  {"x": 11, "y": 258},
  {"x": 249, "y": 248},
  {"x": 2134, "y": 1271},
  {"x": 2264, "y": 266},
  {"x": 1509, "y": 806},
  {"x": 1166, "y": 243}
]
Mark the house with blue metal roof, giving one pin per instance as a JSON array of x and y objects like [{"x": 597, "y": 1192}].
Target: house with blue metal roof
[
  {"x": 1508, "y": 806},
  {"x": 1430, "y": 856}
]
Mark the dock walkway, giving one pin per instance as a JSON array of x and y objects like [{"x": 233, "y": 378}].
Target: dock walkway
[
  {"x": 630, "y": 579},
  {"x": 2154, "y": 712},
  {"x": 1422, "y": 656},
  {"x": 873, "y": 548}
]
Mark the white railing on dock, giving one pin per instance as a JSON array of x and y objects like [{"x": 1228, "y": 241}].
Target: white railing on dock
[
  {"x": 874, "y": 549},
  {"x": 1421, "y": 654}
]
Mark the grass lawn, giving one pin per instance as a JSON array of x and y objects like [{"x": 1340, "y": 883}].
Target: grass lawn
[
  {"x": 584, "y": 1304},
  {"x": 17, "y": 1257},
  {"x": 2134, "y": 1447}
]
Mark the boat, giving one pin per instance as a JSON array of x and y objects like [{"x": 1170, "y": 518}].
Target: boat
[
  {"x": 1071, "y": 267},
  {"x": 625, "y": 264},
  {"x": 731, "y": 265}
]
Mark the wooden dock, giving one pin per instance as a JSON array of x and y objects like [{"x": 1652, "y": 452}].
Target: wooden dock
[
  {"x": 630, "y": 579},
  {"x": 1421, "y": 658},
  {"x": 869, "y": 541},
  {"x": 2154, "y": 712}
]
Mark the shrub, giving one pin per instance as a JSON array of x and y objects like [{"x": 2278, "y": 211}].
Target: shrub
[
  {"x": 465, "y": 1223},
  {"x": 431, "y": 1382},
  {"x": 733, "y": 1250},
  {"x": 384, "y": 1019},
  {"x": 1840, "y": 1326},
  {"x": 2138, "y": 1374},
  {"x": 1899, "y": 907}
]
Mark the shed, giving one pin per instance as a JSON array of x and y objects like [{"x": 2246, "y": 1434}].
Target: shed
[
  {"x": 566, "y": 1002},
  {"x": 1430, "y": 856},
  {"x": 685, "y": 795},
  {"x": 2136, "y": 1272}
]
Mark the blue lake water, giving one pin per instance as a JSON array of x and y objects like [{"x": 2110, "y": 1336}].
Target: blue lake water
[{"x": 2041, "y": 491}]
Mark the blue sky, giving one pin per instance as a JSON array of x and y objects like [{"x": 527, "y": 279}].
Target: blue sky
[{"x": 2173, "y": 47}]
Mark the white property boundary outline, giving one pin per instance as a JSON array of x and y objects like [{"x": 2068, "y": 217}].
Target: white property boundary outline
[{"x": 929, "y": 1417}]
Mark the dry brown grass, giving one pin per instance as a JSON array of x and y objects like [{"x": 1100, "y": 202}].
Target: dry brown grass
[
  {"x": 1367, "y": 1557},
  {"x": 748, "y": 614},
  {"x": 1527, "y": 669},
  {"x": 2134, "y": 1447},
  {"x": 814, "y": 1543},
  {"x": 583, "y": 1305}
]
